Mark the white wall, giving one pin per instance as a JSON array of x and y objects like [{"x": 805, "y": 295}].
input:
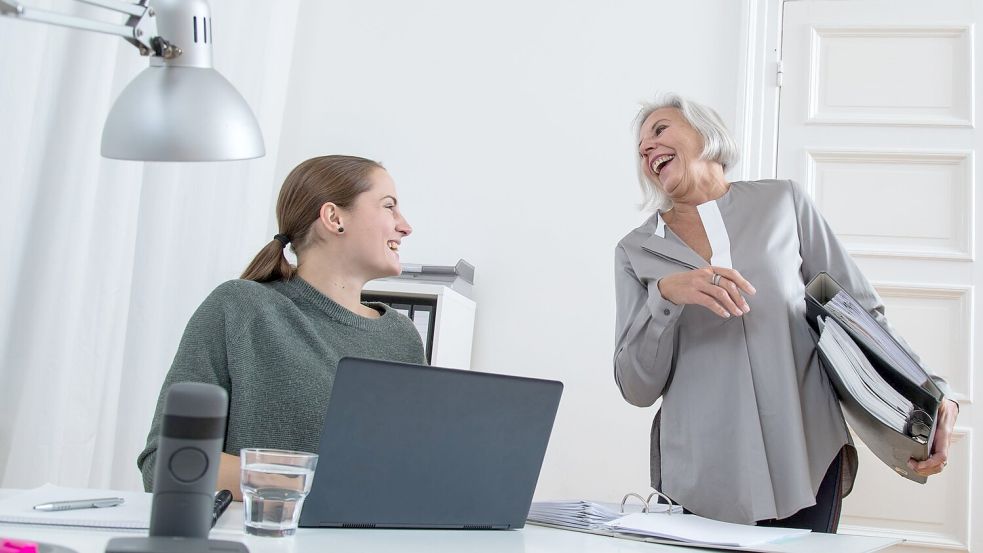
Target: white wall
[
  {"x": 105, "y": 260},
  {"x": 507, "y": 127}
]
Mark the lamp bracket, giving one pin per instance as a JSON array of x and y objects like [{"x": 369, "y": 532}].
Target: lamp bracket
[{"x": 140, "y": 28}]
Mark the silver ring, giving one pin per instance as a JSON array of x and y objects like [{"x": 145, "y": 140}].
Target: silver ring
[{"x": 715, "y": 280}]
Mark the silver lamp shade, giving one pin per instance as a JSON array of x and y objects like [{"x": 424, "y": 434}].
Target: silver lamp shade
[
  {"x": 174, "y": 113},
  {"x": 180, "y": 108}
]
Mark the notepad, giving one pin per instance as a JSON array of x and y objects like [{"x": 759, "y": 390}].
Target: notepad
[{"x": 133, "y": 514}]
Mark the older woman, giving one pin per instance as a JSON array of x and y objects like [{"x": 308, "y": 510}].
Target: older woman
[{"x": 711, "y": 318}]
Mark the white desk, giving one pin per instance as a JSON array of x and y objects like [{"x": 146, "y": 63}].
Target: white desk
[{"x": 531, "y": 539}]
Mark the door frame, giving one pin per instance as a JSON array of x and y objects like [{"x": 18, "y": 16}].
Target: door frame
[{"x": 756, "y": 129}]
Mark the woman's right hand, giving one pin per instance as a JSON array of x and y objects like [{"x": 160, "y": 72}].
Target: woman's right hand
[
  {"x": 229, "y": 475},
  {"x": 697, "y": 287}
]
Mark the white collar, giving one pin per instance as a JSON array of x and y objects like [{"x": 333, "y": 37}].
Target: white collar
[
  {"x": 660, "y": 225},
  {"x": 713, "y": 223}
]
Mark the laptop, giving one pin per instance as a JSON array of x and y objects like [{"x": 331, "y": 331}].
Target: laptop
[{"x": 412, "y": 446}]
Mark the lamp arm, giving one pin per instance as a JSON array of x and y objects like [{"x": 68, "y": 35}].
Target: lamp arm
[
  {"x": 139, "y": 30},
  {"x": 136, "y": 7}
]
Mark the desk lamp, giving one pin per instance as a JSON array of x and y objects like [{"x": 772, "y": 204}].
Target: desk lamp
[{"x": 179, "y": 108}]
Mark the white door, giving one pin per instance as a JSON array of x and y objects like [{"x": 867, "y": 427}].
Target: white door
[{"x": 877, "y": 121}]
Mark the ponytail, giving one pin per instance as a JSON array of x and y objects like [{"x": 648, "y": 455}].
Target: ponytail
[{"x": 270, "y": 264}]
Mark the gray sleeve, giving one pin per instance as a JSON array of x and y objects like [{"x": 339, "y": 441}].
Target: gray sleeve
[
  {"x": 821, "y": 250},
  {"x": 645, "y": 331},
  {"x": 201, "y": 357}
]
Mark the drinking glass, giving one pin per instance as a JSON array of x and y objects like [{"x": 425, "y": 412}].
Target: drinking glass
[{"x": 274, "y": 485}]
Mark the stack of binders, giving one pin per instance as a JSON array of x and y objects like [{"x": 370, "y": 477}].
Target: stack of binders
[
  {"x": 888, "y": 399},
  {"x": 658, "y": 523}
]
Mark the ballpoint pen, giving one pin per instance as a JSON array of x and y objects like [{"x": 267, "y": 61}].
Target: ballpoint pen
[
  {"x": 80, "y": 504},
  {"x": 222, "y": 501}
]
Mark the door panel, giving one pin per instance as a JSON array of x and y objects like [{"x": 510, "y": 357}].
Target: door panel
[
  {"x": 877, "y": 121},
  {"x": 890, "y": 75},
  {"x": 845, "y": 184}
]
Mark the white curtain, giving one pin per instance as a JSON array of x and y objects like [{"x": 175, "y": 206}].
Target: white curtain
[{"x": 105, "y": 260}]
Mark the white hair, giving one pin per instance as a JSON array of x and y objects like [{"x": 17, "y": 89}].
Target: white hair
[{"x": 718, "y": 144}]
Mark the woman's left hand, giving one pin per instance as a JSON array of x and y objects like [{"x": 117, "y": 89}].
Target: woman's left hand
[{"x": 948, "y": 412}]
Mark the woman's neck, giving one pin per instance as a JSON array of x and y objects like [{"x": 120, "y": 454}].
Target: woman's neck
[
  {"x": 710, "y": 188},
  {"x": 343, "y": 289}
]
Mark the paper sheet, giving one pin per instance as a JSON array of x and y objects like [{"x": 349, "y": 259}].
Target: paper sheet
[
  {"x": 694, "y": 529},
  {"x": 134, "y": 513},
  {"x": 875, "y": 337},
  {"x": 861, "y": 379}
]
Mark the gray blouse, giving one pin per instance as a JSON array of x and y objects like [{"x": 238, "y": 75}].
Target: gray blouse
[{"x": 749, "y": 422}]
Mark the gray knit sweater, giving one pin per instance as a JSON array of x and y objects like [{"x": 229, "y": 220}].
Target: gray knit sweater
[{"x": 275, "y": 347}]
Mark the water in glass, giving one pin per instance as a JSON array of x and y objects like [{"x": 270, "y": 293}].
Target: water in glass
[{"x": 273, "y": 496}]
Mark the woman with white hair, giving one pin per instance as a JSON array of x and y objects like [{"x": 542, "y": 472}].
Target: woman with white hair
[{"x": 711, "y": 318}]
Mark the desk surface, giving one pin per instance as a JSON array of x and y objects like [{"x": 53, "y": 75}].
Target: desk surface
[{"x": 532, "y": 539}]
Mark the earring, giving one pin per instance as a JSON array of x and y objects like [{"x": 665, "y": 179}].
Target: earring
[{"x": 341, "y": 230}]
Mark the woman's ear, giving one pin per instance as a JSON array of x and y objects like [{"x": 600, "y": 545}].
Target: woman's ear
[{"x": 330, "y": 218}]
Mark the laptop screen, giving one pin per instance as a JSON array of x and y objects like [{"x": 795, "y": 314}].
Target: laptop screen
[{"x": 411, "y": 446}]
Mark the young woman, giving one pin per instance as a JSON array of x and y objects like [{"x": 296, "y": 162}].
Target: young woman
[{"x": 273, "y": 339}]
